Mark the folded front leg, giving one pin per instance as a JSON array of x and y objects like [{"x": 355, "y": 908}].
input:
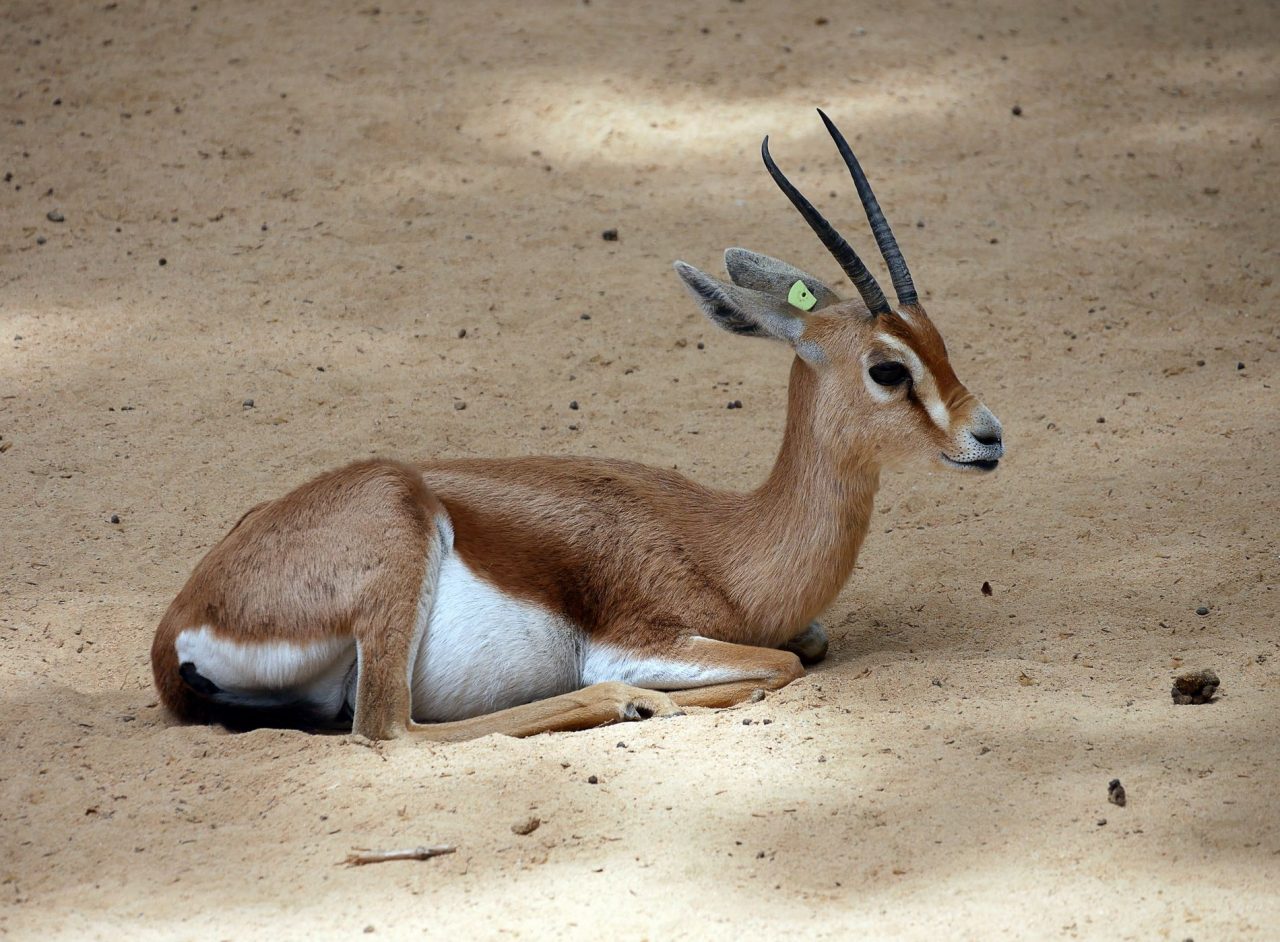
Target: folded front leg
[
  {"x": 698, "y": 671},
  {"x": 810, "y": 645}
]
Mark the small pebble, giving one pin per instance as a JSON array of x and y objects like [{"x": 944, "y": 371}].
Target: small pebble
[
  {"x": 527, "y": 826},
  {"x": 746, "y": 722},
  {"x": 41, "y": 240},
  {"x": 1102, "y": 822},
  {"x": 1115, "y": 792},
  {"x": 735, "y": 404},
  {"x": 1202, "y": 610},
  {"x": 610, "y": 235},
  {"x": 54, "y": 216},
  {"x": 986, "y": 588},
  {"x": 1017, "y": 111},
  {"x": 701, "y": 345},
  {"x": 462, "y": 332},
  {"x": 163, "y": 262},
  {"x": 584, "y": 317},
  {"x": 247, "y": 404},
  {"x": 459, "y": 406},
  {"x": 593, "y": 780},
  {"x": 115, "y": 518},
  {"x": 573, "y": 404},
  {"x": 1239, "y": 366}
]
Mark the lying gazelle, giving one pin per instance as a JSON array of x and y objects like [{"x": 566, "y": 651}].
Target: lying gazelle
[{"x": 458, "y": 598}]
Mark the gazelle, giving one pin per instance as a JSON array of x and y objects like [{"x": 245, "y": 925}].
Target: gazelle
[{"x": 458, "y": 598}]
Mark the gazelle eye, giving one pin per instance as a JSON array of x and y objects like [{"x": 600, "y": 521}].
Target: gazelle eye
[{"x": 889, "y": 374}]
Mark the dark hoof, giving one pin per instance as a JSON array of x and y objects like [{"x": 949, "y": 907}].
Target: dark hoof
[{"x": 810, "y": 645}]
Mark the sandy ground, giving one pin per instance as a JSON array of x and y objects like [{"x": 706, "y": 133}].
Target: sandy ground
[{"x": 304, "y": 205}]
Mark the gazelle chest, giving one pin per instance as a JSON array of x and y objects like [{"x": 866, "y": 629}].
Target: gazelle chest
[{"x": 482, "y": 649}]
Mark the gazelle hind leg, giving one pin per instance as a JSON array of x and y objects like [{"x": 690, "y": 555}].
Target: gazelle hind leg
[{"x": 598, "y": 705}]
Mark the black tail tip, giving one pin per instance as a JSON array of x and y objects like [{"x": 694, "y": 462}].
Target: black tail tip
[{"x": 197, "y": 681}]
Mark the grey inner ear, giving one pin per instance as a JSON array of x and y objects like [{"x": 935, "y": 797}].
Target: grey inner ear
[
  {"x": 773, "y": 276},
  {"x": 742, "y": 310}
]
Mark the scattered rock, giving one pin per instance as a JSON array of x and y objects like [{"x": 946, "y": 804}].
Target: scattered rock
[
  {"x": 527, "y": 826},
  {"x": 584, "y": 317},
  {"x": 593, "y": 780},
  {"x": 54, "y": 216},
  {"x": 163, "y": 262},
  {"x": 1115, "y": 792},
  {"x": 115, "y": 518},
  {"x": 1195, "y": 687},
  {"x": 41, "y": 240},
  {"x": 1202, "y": 610},
  {"x": 986, "y": 588},
  {"x": 573, "y": 404},
  {"x": 735, "y": 404},
  {"x": 459, "y": 406},
  {"x": 610, "y": 235},
  {"x": 462, "y": 332},
  {"x": 1017, "y": 111},
  {"x": 1102, "y": 822},
  {"x": 247, "y": 404}
]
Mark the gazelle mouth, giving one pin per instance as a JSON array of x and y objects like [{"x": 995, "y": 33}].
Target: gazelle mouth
[{"x": 978, "y": 464}]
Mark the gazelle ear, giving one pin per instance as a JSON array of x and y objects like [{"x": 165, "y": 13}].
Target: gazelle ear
[
  {"x": 773, "y": 276},
  {"x": 742, "y": 310}
]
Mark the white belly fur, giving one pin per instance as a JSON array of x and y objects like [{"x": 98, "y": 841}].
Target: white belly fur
[{"x": 485, "y": 650}]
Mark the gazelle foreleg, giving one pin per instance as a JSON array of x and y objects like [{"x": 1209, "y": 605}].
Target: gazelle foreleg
[
  {"x": 700, "y": 671},
  {"x": 810, "y": 645}
]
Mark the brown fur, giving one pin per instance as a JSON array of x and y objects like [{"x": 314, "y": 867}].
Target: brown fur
[{"x": 640, "y": 557}]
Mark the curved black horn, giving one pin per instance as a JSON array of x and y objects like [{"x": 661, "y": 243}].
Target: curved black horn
[
  {"x": 835, "y": 243},
  {"x": 902, "y": 282}
]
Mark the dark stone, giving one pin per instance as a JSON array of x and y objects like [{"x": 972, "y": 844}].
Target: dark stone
[{"x": 1195, "y": 687}]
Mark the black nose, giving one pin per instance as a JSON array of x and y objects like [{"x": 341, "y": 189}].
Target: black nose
[{"x": 986, "y": 438}]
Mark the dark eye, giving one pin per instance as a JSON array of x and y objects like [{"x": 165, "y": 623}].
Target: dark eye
[{"x": 889, "y": 374}]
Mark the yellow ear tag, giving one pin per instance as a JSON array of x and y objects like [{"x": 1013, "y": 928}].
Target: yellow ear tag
[{"x": 800, "y": 296}]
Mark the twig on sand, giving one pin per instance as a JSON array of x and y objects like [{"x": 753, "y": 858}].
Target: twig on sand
[{"x": 361, "y": 857}]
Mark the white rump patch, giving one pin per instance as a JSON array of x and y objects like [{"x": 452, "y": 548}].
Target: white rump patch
[{"x": 315, "y": 671}]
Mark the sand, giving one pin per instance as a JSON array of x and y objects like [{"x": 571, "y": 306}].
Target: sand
[{"x": 304, "y": 205}]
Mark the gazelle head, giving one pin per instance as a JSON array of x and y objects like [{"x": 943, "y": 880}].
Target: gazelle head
[{"x": 885, "y": 389}]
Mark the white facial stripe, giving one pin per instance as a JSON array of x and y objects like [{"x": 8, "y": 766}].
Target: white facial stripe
[{"x": 926, "y": 388}]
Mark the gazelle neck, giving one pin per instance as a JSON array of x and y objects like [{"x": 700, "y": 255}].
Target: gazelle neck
[{"x": 801, "y": 530}]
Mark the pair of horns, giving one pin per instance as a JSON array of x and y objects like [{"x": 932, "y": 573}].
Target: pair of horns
[{"x": 835, "y": 243}]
